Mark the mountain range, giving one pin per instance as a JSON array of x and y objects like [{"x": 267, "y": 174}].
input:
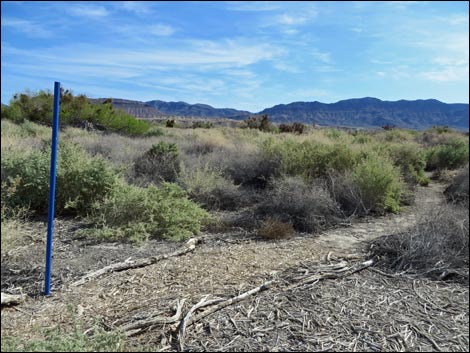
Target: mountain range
[{"x": 359, "y": 112}]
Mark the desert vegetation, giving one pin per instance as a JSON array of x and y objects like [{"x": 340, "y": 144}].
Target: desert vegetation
[
  {"x": 123, "y": 185},
  {"x": 129, "y": 182}
]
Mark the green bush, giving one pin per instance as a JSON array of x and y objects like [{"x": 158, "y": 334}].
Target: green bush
[
  {"x": 134, "y": 213},
  {"x": 61, "y": 340},
  {"x": 310, "y": 159},
  {"x": 160, "y": 163},
  {"x": 334, "y": 134},
  {"x": 74, "y": 110},
  {"x": 209, "y": 188},
  {"x": 379, "y": 184},
  {"x": 80, "y": 180},
  {"x": 451, "y": 155},
  {"x": 412, "y": 161}
]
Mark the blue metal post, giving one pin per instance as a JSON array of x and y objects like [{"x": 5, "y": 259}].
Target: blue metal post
[{"x": 50, "y": 220}]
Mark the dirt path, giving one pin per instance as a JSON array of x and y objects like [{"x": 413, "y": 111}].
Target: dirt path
[{"x": 364, "y": 309}]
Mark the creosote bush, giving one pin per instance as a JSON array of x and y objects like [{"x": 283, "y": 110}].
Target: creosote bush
[
  {"x": 160, "y": 163},
  {"x": 81, "y": 179},
  {"x": 412, "y": 161},
  {"x": 133, "y": 213},
  {"x": 209, "y": 188},
  {"x": 453, "y": 154},
  {"x": 74, "y": 110},
  {"x": 379, "y": 183}
]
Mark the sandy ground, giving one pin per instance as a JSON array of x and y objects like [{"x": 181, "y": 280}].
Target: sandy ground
[{"x": 367, "y": 311}]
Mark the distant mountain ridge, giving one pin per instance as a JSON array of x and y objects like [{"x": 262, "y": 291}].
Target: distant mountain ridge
[
  {"x": 373, "y": 112},
  {"x": 197, "y": 110},
  {"x": 357, "y": 112},
  {"x": 135, "y": 108}
]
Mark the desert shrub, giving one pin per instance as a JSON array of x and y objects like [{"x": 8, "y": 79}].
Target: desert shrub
[
  {"x": 308, "y": 207},
  {"x": 170, "y": 123},
  {"x": 346, "y": 193},
  {"x": 260, "y": 122},
  {"x": 396, "y": 135},
  {"x": 13, "y": 113},
  {"x": 272, "y": 228},
  {"x": 247, "y": 167},
  {"x": 63, "y": 340},
  {"x": 379, "y": 183},
  {"x": 441, "y": 129},
  {"x": 334, "y": 134},
  {"x": 457, "y": 191},
  {"x": 297, "y": 128},
  {"x": 436, "y": 247},
  {"x": 81, "y": 180},
  {"x": 310, "y": 159},
  {"x": 74, "y": 110},
  {"x": 134, "y": 213},
  {"x": 362, "y": 139},
  {"x": 412, "y": 161},
  {"x": 209, "y": 188},
  {"x": 453, "y": 154},
  {"x": 202, "y": 125},
  {"x": 160, "y": 163}
]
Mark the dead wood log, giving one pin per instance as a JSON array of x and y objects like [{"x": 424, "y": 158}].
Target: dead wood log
[
  {"x": 12, "y": 299},
  {"x": 135, "y": 327},
  {"x": 138, "y": 263},
  {"x": 331, "y": 274},
  {"x": 231, "y": 301},
  {"x": 182, "y": 326}
]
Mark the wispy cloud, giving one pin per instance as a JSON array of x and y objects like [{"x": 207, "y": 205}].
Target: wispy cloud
[
  {"x": 90, "y": 11},
  {"x": 448, "y": 74},
  {"x": 256, "y": 6},
  {"x": 160, "y": 30},
  {"x": 30, "y": 28},
  {"x": 136, "y": 7}
]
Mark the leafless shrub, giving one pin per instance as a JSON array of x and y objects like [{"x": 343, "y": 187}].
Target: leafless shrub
[
  {"x": 436, "y": 247},
  {"x": 272, "y": 228},
  {"x": 247, "y": 167},
  {"x": 309, "y": 208},
  {"x": 457, "y": 191},
  {"x": 346, "y": 193}
]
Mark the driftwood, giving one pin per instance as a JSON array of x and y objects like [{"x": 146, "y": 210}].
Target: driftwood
[
  {"x": 138, "y": 263},
  {"x": 11, "y": 299},
  {"x": 135, "y": 327},
  {"x": 333, "y": 273},
  {"x": 182, "y": 326}
]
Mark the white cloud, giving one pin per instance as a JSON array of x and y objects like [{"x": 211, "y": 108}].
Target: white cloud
[
  {"x": 91, "y": 11},
  {"x": 447, "y": 74},
  {"x": 255, "y": 6},
  {"x": 322, "y": 56},
  {"x": 29, "y": 28},
  {"x": 291, "y": 20},
  {"x": 160, "y": 30},
  {"x": 137, "y": 7}
]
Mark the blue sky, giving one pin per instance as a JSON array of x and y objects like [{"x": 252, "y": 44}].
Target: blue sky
[{"x": 245, "y": 55}]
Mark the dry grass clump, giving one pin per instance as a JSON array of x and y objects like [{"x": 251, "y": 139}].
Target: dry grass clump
[
  {"x": 308, "y": 207},
  {"x": 436, "y": 247},
  {"x": 272, "y": 228},
  {"x": 457, "y": 191}
]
